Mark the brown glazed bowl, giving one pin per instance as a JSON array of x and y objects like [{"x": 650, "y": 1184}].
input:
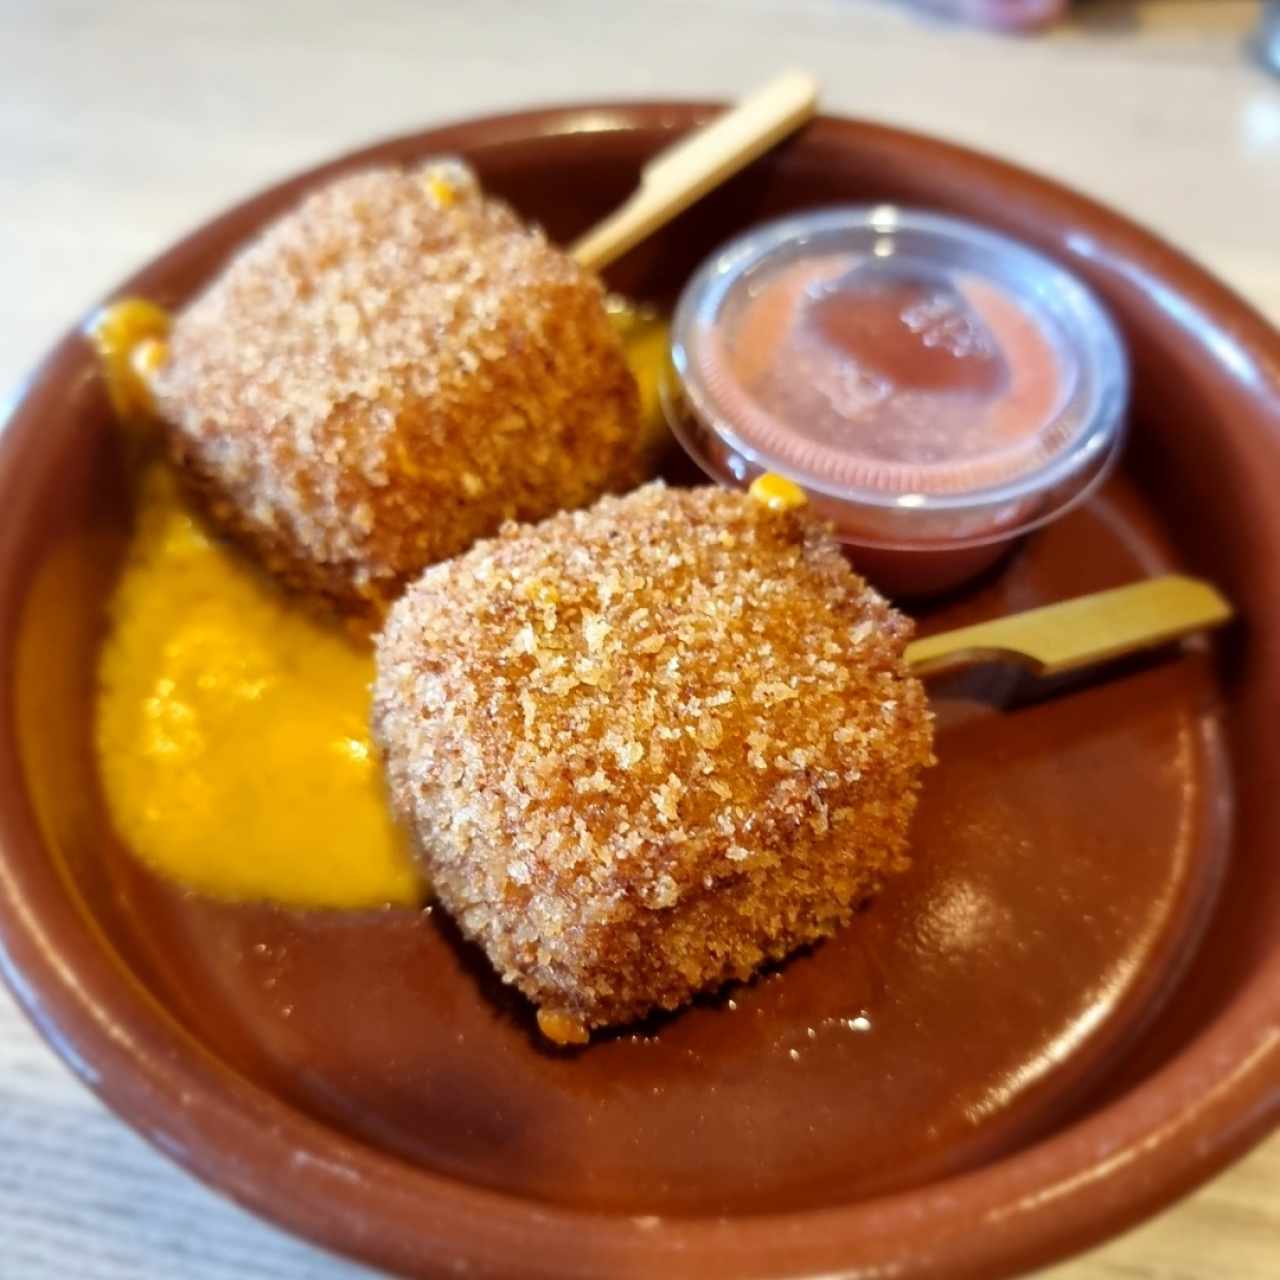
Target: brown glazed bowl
[{"x": 1066, "y": 1014}]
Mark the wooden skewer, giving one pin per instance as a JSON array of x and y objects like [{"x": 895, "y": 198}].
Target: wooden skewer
[
  {"x": 686, "y": 171},
  {"x": 1081, "y": 632},
  {"x": 1049, "y": 641}
]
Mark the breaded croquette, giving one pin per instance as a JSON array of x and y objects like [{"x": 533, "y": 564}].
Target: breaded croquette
[
  {"x": 390, "y": 372},
  {"x": 645, "y": 748}
]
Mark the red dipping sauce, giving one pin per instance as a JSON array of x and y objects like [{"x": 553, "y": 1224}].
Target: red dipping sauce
[{"x": 935, "y": 389}]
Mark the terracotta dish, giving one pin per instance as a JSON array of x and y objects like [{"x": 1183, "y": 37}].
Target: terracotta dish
[{"x": 1067, "y": 1014}]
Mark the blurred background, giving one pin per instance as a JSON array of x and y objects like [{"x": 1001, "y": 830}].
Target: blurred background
[{"x": 125, "y": 123}]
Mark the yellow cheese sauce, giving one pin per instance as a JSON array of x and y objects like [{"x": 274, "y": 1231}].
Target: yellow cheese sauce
[{"x": 232, "y": 725}]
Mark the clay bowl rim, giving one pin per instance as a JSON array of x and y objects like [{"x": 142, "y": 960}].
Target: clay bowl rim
[{"x": 1219, "y": 1095}]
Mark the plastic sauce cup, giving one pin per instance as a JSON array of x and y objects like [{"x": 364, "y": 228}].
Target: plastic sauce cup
[{"x": 935, "y": 388}]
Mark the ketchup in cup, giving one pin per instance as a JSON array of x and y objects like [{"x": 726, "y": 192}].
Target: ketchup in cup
[{"x": 935, "y": 389}]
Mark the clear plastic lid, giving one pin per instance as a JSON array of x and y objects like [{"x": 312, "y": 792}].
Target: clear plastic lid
[{"x": 926, "y": 381}]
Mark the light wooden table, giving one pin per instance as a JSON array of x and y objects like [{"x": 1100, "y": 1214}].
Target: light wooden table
[{"x": 123, "y": 124}]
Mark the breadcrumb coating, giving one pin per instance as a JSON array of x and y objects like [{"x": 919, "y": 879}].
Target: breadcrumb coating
[
  {"x": 391, "y": 371},
  {"x": 645, "y": 748}
]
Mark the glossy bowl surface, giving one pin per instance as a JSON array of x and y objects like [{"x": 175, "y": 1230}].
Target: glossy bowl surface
[{"x": 1067, "y": 1014}]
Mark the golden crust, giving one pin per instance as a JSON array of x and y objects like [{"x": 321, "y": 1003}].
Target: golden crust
[
  {"x": 647, "y": 747},
  {"x": 391, "y": 371}
]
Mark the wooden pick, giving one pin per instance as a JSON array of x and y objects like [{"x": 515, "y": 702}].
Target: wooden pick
[
  {"x": 1081, "y": 632},
  {"x": 702, "y": 160}
]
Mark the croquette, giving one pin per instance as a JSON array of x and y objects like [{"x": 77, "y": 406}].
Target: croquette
[
  {"x": 645, "y": 748},
  {"x": 391, "y": 371}
]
